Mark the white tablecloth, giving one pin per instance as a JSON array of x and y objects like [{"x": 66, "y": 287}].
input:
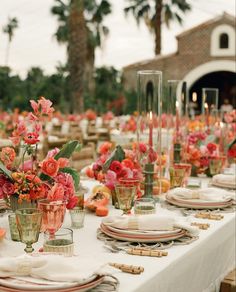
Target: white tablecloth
[{"x": 197, "y": 267}]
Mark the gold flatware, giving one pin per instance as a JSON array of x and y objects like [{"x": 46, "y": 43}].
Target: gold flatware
[
  {"x": 203, "y": 226},
  {"x": 147, "y": 252},
  {"x": 210, "y": 216},
  {"x": 128, "y": 268}
]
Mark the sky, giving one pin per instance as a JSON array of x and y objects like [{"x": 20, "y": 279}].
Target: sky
[{"x": 34, "y": 43}]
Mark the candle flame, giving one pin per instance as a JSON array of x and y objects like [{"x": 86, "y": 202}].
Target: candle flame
[
  {"x": 194, "y": 96},
  {"x": 221, "y": 124},
  {"x": 205, "y": 105},
  {"x": 177, "y": 103},
  {"x": 150, "y": 114}
]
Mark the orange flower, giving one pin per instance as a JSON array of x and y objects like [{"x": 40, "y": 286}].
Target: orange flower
[
  {"x": 63, "y": 162},
  {"x": 7, "y": 156},
  {"x": 50, "y": 167},
  {"x": 105, "y": 147},
  {"x": 128, "y": 163}
]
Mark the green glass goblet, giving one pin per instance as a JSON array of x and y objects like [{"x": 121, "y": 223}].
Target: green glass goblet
[
  {"x": 28, "y": 223},
  {"x": 125, "y": 195}
]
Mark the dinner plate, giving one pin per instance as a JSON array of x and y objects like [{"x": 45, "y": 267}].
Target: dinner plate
[
  {"x": 144, "y": 232},
  {"x": 223, "y": 185},
  {"x": 81, "y": 287},
  {"x": 141, "y": 238},
  {"x": 200, "y": 201},
  {"x": 199, "y": 205}
]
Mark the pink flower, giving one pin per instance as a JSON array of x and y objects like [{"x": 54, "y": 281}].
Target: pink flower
[
  {"x": 116, "y": 166},
  {"x": 37, "y": 127},
  {"x": 53, "y": 152},
  {"x": 46, "y": 106},
  {"x": 111, "y": 179},
  {"x": 26, "y": 166},
  {"x": 15, "y": 138},
  {"x": 32, "y": 117},
  {"x": 21, "y": 128},
  {"x": 56, "y": 193},
  {"x": 66, "y": 180},
  {"x": 142, "y": 147},
  {"x": 34, "y": 106},
  {"x": 8, "y": 188},
  {"x": 72, "y": 202}
]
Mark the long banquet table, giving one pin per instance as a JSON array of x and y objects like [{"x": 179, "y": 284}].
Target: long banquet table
[{"x": 197, "y": 267}]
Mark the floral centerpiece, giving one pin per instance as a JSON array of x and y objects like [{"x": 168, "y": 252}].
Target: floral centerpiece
[
  {"x": 115, "y": 164},
  {"x": 199, "y": 153},
  {"x": 28, "y": 179}
]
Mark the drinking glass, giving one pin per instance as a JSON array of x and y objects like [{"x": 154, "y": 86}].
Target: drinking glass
[
  {"x": 28, "y": 223},
  {"x": 61, "y": 243},
  {"x": 176, "y": 177},
  {"x": 125, "y": 196},
  {"x": 187, "y": 167},
  {"x": 144, "y": 206},
  {"x": 53, "y": 215},
  {"x": 15, "y": 236},
  {"x": 77, "y": 217},
  {"x": 215, "y": 165}
]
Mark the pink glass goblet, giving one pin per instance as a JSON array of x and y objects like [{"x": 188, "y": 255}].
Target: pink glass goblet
[{"x": 53, "y": 215}]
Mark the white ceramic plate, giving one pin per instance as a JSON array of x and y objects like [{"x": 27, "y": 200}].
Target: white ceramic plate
[
  {"x": 29, "y": 283},
  {"x": 222, "y": 185},
  {"x": 81, "y": 288},
  {"x": 141, "y": 238},
  {"x": 208, "y": 205},
  {"x": 144, "y": 232}
]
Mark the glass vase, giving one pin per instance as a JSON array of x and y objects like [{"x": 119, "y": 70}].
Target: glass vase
[{"x": 149, "y": 124}]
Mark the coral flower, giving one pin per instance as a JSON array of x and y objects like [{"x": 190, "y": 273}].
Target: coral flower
[
  {"x": 7, "y": 156},
  {"x": 50, "y": 167},
  {"x": 116, "y": 166}
]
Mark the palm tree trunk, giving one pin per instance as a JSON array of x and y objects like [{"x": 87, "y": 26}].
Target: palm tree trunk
[
  {"x": 7, "y": 53},
  {"x": 157, "y": 26},
  {"x": 77, "y": 53}
]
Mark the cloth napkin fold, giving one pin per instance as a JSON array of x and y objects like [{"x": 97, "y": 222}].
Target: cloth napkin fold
[
  {"x": 226, "y": 179},
  {"x": 52, "y": 267},
  {"x": 205, "y": 194},
  {"x": 152, "y": 222}
]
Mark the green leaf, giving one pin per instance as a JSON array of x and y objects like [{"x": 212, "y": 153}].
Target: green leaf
[
  {"x": 5, "y": 170},
  {"x": 75, "y": 175},
  {"x": 67, "y": 150},
  {"x": 117, "y": 154},
  {"x": 232, "y": 143}
]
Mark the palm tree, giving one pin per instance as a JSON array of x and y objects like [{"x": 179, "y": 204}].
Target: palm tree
[
  {"x": 9, "y": 29},
  {"x": 77, "y": 49},
  {"x": 94, "y": 14},
  {"x": 156, "y": 12}
]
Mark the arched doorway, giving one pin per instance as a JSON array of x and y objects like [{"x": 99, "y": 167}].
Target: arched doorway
[{"x": 223, "y": 80}]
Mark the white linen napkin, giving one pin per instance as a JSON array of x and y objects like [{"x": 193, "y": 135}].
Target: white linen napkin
[
  {"x": 205, "y": 194},
  {"x": 152, "y": 222},
  {"x": 52, "y": 267},
  {"x": 225, "y": 179}
]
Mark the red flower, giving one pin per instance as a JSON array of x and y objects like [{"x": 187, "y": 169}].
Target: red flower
[
  {"x": 31, "y": 138},
  {"x": 128, "y": 163},
  {"x": 116, "y": 166},
  {"x": 232, "y": 153},
  {"x": 72, "y": 202},
  {"x": 211, "y": 147}
]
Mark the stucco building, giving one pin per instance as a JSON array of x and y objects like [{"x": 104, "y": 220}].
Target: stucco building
[{"x": 205, "y": 57}]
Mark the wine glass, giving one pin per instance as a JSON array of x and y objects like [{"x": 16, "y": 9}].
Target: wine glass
[
  {"x": 125, "y": 196},
  {"x": 28, "y": 223},
  {"x": 53, "y": 215}
]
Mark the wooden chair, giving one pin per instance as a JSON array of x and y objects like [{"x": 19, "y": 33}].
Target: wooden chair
[{"x": 85, "y": 157}]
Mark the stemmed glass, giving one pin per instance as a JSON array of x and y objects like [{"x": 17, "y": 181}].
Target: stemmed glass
[
  {"x": 28, "y": 223},
  {"x": 53, "y": 215},
  {"x": 125, "y": 195}
]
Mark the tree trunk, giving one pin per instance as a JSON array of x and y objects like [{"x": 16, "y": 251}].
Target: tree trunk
[
  {"x": 157, "y": 26},
  {"x": 7, "y": 53},
  {"x": 77, "y": 47}
]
